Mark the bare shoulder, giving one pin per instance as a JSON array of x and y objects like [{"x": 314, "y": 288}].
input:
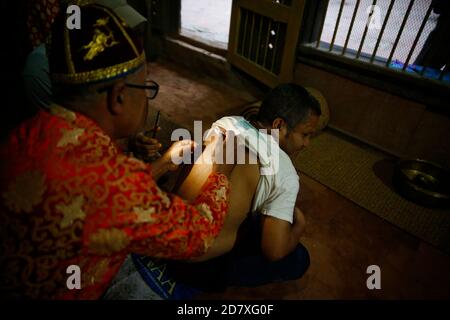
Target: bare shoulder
[
  {"x": 244, "y": 180},
  {"x": 247, "y": 173}
]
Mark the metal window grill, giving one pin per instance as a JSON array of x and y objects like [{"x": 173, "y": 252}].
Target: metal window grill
[
  {"x": 394, "y": 38},
  {"x": 261, "y": 40}
]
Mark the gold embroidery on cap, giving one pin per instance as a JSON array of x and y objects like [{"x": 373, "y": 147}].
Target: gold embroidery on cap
[
  {"x": 122, "y": 29},
  {"x": 100, "y": 74},
  {"x": 100, "y": 41}
]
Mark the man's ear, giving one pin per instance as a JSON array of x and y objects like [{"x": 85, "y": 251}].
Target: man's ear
[
  {"x": 116, "y": 98},
  {"x": 278, "y": 123}
]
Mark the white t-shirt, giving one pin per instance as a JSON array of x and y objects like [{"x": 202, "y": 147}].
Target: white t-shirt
[{"x": 278, "y": 184}]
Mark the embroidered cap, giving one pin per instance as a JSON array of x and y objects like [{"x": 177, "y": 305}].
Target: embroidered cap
[
  {"x": 104, "y": 49},
  {"x": 125, "y": 11}
]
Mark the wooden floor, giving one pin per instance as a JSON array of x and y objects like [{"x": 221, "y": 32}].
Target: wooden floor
[{"x": 342, "y": 238}]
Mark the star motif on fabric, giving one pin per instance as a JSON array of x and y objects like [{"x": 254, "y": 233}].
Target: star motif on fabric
[
  {"x": 25, "y": 192},
  {"x": 164, "y": 198},
  {"x": 108, "y": 241},
  {"x": 103, "y": 138},
  {"x": 63, "y": 113},
  {"x": 70, "y": 137},
  {"x": 221, "y": 193},
  {"x": 144, "y": 215},
  {"x": 71, "y": 212},
  {"x": 205, "y": 211}
]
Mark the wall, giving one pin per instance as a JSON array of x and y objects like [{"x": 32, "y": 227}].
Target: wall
[
  {"x": 210, "y": 64},
  {"x": 389, "y": 122}
]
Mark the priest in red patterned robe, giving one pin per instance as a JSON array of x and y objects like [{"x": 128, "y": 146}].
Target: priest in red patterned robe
[{"x": 69, "y": 198}]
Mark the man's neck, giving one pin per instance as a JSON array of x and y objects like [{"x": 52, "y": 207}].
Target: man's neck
[
  {"x": 94, "y": 112},
  {"x": 258, "y": 125}
]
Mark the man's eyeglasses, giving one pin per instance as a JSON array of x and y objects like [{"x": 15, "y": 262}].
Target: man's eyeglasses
[{"x": 151, "y": 88}]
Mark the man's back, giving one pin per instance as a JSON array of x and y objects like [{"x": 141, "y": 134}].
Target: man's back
[
  {"x": 273, "y": 193},
  {"x": 244, "y": 180}
]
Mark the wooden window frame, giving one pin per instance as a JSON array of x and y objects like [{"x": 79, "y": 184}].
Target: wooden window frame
[
  {"x": 286, "y": 14},
  {"x": 432, "y": 93}
]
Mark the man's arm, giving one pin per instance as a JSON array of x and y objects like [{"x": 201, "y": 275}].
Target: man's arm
[
  {"x": 139, "y": 217},
  {"x": 279, "y": 237}
]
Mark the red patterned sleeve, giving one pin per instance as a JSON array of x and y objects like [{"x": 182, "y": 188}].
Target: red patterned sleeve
[{"x": 143, "y": 219}]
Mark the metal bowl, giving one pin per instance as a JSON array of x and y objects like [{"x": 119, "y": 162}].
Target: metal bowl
[{"x": 422, "y": 182}]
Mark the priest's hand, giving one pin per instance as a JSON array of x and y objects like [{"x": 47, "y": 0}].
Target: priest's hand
[
  {"x": 144, "y": 147},
  {"x": 173, "y": 157}
]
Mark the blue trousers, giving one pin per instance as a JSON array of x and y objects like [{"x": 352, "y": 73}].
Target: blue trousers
[
  {"x": 244, "y": 266},
  {"x": 149, "y": 278}
]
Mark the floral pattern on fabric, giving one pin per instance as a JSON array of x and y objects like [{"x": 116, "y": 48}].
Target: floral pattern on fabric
[{"x": 85, "y": 203}]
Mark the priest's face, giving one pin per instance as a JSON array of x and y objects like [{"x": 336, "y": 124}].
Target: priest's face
[{"x": 135, "y": 103}]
